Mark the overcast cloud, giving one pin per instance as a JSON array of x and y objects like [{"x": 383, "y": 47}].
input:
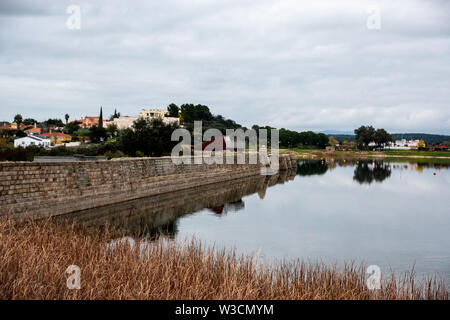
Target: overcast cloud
[{"x": 294, "y": 64}]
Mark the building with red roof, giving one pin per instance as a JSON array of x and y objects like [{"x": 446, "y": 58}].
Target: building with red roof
[{"x": 57, "y": 138}]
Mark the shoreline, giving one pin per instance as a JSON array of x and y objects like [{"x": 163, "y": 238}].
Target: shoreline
[{"x": 318, "y": 154}]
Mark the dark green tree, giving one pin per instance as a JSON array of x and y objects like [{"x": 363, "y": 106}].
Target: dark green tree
[
  {"x": 72, "y": 127},
  {"x": 67, "y": 118},
  {"x": 97, "y": 134},
  {"x": 364, "y": 135},
  {"x": 51, "y": 123},
  {"x": 382, "y": 137},
  {"x": 29, "y": 121},
  {"x": 18, "y": 120},
  {"x": 151, "y": 137},
  {"x": 100, "y": 119},
  {"x": 173, "y": 110},
  {"x": 191, "y": 113},
  {"x": 322, "y": 140}
]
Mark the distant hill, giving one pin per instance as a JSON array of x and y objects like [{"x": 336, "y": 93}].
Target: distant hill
[
  {"x": 428, "y": 138},
  {"x": 336, "y": 132}
]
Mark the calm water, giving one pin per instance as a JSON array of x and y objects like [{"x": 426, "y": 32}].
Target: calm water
[{"x": 394, "y": 215}]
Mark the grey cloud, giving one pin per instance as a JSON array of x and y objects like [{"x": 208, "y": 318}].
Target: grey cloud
[{"x": 288, "y": 64}]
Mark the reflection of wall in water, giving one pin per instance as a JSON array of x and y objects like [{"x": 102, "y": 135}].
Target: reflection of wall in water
[{"x": 158, "y": 214}]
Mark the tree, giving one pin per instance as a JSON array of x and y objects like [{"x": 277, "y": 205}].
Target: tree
[
  {"x": 381, "y": 137},
  {"x": 100, "y": 119},
  {"x": 152, "y": 137},
  {"x": 421, "y": 144},
  {"x": 112, "y": 129},
  {"x": 115, "y": 115},
  {"x": 332, "y": 141},
  {"x": 173, "y": 110},
  {"x": 97, "y": 134},
  {"x": 191, "y": 112},
  {"x": 29, "y": 121},
  {"x": 322, "y": 140},
  {"x": 364, "y": 136},
  {"x": 72, "y": 127},
  {"x": 52, "y": 123},
  {"x": 67, "y": 118},
  {"x": 18, "y": 120}
]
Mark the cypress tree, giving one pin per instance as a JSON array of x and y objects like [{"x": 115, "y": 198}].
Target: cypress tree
[{"x": 100, "y": 119}]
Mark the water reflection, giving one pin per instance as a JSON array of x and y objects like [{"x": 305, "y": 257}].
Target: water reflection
[
  {"x": 366, "y": 171},
  {"x": 392, "y": 214},
  {"x": 158, "y": 215},
  {"x": 312, "y": 167},
  {"x": 370, "y": 171}
]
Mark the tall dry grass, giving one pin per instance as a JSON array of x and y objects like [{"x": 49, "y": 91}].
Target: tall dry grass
[{"x": 34, "y": 258}]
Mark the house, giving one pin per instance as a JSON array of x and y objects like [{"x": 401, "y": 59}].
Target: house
[
  {"x": 346, "y": 147},
  {"x": 34, "y": 130},
  {"x": 7, "y": 131},
  {"x": 153, "y": 113},
  {"x": 32, "y": 140},
  {"x": 437, "y": 148},
  {"x": 158, "y": 113},
  {"x": 223, "y": 143},
  {"x": 21, "y": 126},
  {"x": 57, "y": 138},
  {"x": 124, "y": 122},
  {"x": 89, "y": 122}
]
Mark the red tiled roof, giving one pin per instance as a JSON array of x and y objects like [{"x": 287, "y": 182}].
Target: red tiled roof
[
  {"x": 56, "y": 134},
  {"x": 38, "y": 130}
]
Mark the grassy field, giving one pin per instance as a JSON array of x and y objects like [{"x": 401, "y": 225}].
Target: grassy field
[
  {"x": 392, "y": 154},
  {"x": 417, "y": 153},
  {"x": 35, "y": 257}
]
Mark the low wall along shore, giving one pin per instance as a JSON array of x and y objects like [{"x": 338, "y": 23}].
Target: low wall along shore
[{"x": 43, "y": 189}]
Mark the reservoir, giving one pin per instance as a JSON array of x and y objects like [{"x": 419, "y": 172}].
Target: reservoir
[{"x": 392, "y": 214}]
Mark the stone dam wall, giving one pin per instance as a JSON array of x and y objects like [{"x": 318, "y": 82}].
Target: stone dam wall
[{"x": 43, "y": 189}]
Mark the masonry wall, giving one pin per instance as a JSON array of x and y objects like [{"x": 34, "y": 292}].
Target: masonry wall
[{"x": 38, "y": 189}]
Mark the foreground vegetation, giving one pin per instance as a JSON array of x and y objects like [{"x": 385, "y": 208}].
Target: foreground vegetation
[{"x": 35, "y": 256}]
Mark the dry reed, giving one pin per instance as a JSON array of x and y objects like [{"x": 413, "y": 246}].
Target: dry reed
[{"x": 34, "y": 258}]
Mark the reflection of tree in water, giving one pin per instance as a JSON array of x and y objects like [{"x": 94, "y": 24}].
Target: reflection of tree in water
[
  {"x": 370, "y": 171},
  {"x": 312, "y": 167}
]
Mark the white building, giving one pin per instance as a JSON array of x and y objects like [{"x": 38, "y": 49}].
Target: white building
[
  {"x": 158, "y": 113},
  {"x": 32, "y": 140},
  {"x": 403, "y": 144},
  {"x": 153, "y": 113},
  {"x": 126, "y": 122}
]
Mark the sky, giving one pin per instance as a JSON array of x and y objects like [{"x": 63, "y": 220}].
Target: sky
[{"x": 301, "y": 65}]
